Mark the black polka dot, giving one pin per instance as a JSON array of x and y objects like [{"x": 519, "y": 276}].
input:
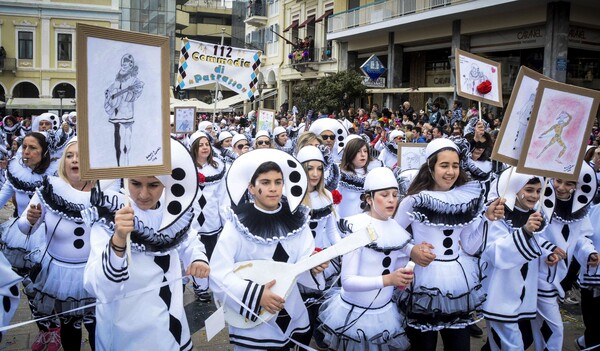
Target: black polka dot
[
  {"x": 586, "y": 188},
  {"x": 313, "y": 225},
  {"x": 548, "y": 203},
  {"x": 14, "y": 290},
  {"x": 79, "y": 231},
  {"x": 447, "y": 242},
  {"x": 582, "y": 199},
  {"x": 548, "y": 192},
  {"x": 295, "y": 177},
  {"x": 6, "y": 304},
  {"x": 78, "y": 243},
  {"x": 174, "y": 207},
  {"x": 292, "y": 164},
  {"x": 340, "y": 131},
  {"x": 341, "y": 138},
  {"x": 448, "y": 232},
  {"x": 385, "y": 271},
  {"x": 387, "y": 252},
  {"x": 340, "y": 145},
  {"x": 386, "y": 262},
  {"x": 296, "y": 190},
  {"x": 448, "y": 252},
  {"x": 177, "y": 190},
  {"x": 314, "y": 234},
  {"x": 178, "y": 174},
  {"x": 52, "y": 118},
  {"x": 587, "y": 178}
]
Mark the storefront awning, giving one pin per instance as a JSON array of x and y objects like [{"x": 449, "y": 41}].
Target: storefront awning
[
  {"x": 293, "y": 25},
  {"x": 325, "y": 15},
  {"x": 40, "y": 104},
  {"x": 309, "y": 20},
  {"x": 227, "y": 104},
  {"x": 411, "y": 90}
]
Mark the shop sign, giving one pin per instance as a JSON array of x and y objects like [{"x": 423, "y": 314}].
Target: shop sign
[{"x": 378, "y": 83}]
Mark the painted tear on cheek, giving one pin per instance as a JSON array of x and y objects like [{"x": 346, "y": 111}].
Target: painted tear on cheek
[{"x": 259, "y": 191}]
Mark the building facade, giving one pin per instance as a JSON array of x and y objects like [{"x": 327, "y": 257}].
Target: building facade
[
  {"x": 416, "y": 40},
  {"x": 38, "y": 72}
]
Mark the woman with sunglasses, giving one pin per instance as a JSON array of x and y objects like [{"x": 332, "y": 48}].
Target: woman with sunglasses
[
  {"x": 262, "y": 140},
  {"x": 356, "y": 164},
  {"x": 240, "y": 146},
  {"x": 212, "y": 194},
  {"x": 331, "y": 170}
]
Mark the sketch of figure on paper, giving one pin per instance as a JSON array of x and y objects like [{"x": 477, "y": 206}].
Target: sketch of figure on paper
[
  {"x": 524, "y": 114},
  {"x": 562, "y": 121},
  {"x": 119, "y": 101},
  {"x": 474, "y": 78}
]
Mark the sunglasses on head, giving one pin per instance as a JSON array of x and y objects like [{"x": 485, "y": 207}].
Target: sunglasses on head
[
  {"x": 241, "y": 146},
  {"x": 330, "y": 137},
  {"x": 263, "y": 142}
]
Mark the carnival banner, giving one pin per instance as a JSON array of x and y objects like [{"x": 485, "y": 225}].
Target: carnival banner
[{"x": 205, "y": 63}]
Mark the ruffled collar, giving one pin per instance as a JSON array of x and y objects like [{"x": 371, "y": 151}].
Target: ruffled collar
[
  {"x": 562, "y": 211},
  {"x": 62, "y": 199},
  {"x": 479, "y": 170},
  {"x": 332, "y": 176},
  {"x": 266, "y": 228},
  {"x": 22, "y": 178},
  {"x": 518, "y": 218},
  {"x": 454, "y": 208},
  {"x": 393, "y": 148},
  {"x": 145, "y": 237},
  {"x": 217, "y": 175},
  {"x": 353, "y": 181},
  {"x": 10, "y": 130},
  {"x": 387, "y": 238}
]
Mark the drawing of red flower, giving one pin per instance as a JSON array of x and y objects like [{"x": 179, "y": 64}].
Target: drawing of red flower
[
  {"x": 337, "y": 197},
  {"x": 485, "y": 87},
  {"x": 201, "y": 178}
]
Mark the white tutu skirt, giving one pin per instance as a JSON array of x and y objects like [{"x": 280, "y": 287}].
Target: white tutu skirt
[
  {"x": 445, "y": 294},
  {"x": 21, "y": 250},
  {"x": 59, "y": 288},
  {"x": 353, "y": 328}
]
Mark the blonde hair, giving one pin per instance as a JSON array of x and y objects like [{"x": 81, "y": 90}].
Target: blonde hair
[
  {"x": 306, "y": 138},
  {"x": 320, "y": 188},
  {"x": 62, "y": 171}
]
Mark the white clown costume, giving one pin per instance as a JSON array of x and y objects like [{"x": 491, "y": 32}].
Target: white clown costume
[
  {"x": 388, "y": 150},
  {"x": 212, "y": 195},
  {"x": 446, "y": 293},
  {"x": 361, "y": 315},
  {"x": 22, "y": 251},
  {"x": 9, "y": 292},
  {"x": 251, "y": 233},
  {"x": 570, "y": 229},
  {"x": 129, "y": 315},
  {"x": 510, "y": 257},
  {"x": 351, "y": 185}
]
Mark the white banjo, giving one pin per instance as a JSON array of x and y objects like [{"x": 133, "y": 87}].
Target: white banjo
[{"x": 285, "y": 274}]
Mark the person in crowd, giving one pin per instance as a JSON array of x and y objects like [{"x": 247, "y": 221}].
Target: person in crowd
[
  {"x": 443, "y": 208},
  {"x": 130, "y": 313},
  {"x": 323, "y": 227},
  {"x": 262, "y": 140},
  {"x": 589, "y": 280},
  {"x": 24, "y": 175},
  {"x": 58, "y": 288},
  {"x": 223, "y": 143},
  {"x": 570, "y": 230},
  {"x": 211, "y": 196},
  {"x": 271, "y": 228},
  {"x": 388, "y": 148},
  {"x": 361, "y": 316},
  {"x": 510, "y": 256},
  {"x": 356, "y": 164}
]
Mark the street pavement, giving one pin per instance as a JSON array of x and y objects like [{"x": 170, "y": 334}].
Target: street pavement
[{"x": 21, "y": 338}]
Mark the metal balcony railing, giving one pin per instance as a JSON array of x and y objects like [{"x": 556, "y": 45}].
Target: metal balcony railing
[
  {"x": 256, "y": 9},
  {"x": 214, "y": 4},
  {"x": 383, "y": 10},
  {"x": 8, "y": 64},
  {"x": 316, "y": 55}
]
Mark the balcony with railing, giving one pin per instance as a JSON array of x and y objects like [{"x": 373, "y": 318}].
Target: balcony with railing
[
  {"x": 384, "y": 10},
  {"x": 256, "y": 14},
  {"x": 8, "y": 65},
  {"x": 301, "y": 59},
  {"x": 213, "y": 4}
]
